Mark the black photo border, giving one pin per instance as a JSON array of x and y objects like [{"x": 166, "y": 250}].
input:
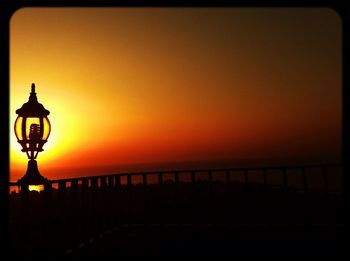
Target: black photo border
[{"x": 9, "y": 7}]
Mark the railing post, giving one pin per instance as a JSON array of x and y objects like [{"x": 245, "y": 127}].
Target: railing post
[
  {"x": 103, "y": 182},
  {"x": 48, "y": 188},
  {"x": 284, "y": 176},
  {"x": 84, "y": 185},
  {"x": 85, "y": 203},
  {"x": 303, "y": 169},
  {"x": 144, "y": 180},
  {"x": 110, "y": 181},
  {"x": 62, "y": 209},
  {"x": 160, "y": 178},
  {"x": 325, "y": 180},
  {"x": 62, "y": 194},
  {"x": 177, "y": 186},
  {"x": 117, "y": 181},
  {"x": 287, "y": 212},
  {"x": 74, "y": 186},
  {"x": 145, "y": 200},
  {"x": 176, "y": 179},
  {"x": 228, "y": 177},
  {"x": 48, "y": 194},
  {"x": 130, "y": 201},
  {"x": 246, "y": 179},
  {"x": 193, "y": 178},
  {"x": 129, "y": 181},
  {"x": 211, "y": 199},
  {"x": 117, "y": 200},
  {"x": 94, "y": 208},
  {"x": 210, "y": 180},
  {"x": 104, "y": 202},
  {"x": 177, "y": 197},
  {"x": 25, "y": 216},
  {"x": 246, "y": 198},
  {"x": 265, "y": 177},
  {"x": 160, "y": 183},
  {"x": 94, "y": 183},
  {"x": 24, "y": 189},
  {"x": 75, "y": 206},
  {"x": 47, "y": 215},
  {"x": 193, "y": 199},
  {"x": 62, "y": 189}
]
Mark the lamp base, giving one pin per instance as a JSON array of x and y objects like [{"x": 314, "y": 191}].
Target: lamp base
[{"x": 32, "y": 176}]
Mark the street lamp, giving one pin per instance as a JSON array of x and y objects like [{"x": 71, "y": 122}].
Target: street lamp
[{"x": 32, "y": 129}]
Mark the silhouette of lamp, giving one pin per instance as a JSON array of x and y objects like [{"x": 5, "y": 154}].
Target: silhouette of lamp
[{"x": 32, "y": 129}]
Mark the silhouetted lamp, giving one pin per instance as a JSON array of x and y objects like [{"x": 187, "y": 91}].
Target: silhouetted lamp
[{"x": 32, "y": 129}]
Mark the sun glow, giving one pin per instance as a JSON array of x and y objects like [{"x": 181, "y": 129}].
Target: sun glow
[
  {"x": 170, "y": 84},
  {"x": 75, "y": 124},
  {"x": 63, "y": 130}
]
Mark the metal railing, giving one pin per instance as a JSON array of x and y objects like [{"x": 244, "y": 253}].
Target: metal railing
[{"x": 84, "y": 206}]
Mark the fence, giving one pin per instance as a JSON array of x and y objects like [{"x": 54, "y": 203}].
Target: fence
[{"x": 68, "y": 211}]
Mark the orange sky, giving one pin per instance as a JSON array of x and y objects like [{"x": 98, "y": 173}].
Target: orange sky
[{"x": 144, "y": 85}]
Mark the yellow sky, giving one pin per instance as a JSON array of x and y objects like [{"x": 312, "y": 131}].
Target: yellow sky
[{"x": 138, "y": 85}]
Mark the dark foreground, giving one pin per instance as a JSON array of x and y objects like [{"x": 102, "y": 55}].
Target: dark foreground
[
  {"x": 102, "y": 218},
  {"x": 205, "y": 241},
  {"x": 213, "y": 241}
]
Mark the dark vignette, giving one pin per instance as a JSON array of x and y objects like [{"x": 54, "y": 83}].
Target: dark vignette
[{"x": 9, "y": 7}]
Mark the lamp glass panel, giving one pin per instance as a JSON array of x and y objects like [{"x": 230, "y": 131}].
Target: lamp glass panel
[
  {"x": 47, "y": 128},
  {"x": 18, "y": 128}
]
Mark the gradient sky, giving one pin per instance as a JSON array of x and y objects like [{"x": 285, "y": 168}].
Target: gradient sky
[{"x": 146, "y": 85}]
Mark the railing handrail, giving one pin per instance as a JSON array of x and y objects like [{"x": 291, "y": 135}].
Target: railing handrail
[{"x": 163, "y": 172}]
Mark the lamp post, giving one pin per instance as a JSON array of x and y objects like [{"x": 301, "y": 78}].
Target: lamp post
[{"x": 32, "y": 129}]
